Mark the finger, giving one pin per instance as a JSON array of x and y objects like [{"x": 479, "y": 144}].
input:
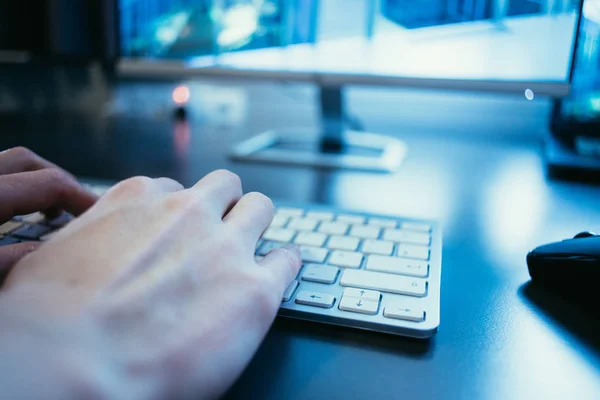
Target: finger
[
  {"x": 252, "y": 214},
  {"x": 222, "y": 189},
  {"x": 168, "y": 185},
  {"x": 284, "y": 263},
  {"x": 21, "y": 159},
  {"x": 11, "y": 254},
  {"x": 138, "y": 187},
  {"x": 27, "y": 192}
]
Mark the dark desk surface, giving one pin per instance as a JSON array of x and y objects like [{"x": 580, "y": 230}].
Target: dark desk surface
[{"x": 474, "y": 164}]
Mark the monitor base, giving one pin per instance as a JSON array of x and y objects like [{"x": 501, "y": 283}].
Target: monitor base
[{"x": 357, "y": 151}]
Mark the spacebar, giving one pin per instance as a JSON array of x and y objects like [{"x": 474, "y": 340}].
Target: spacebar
[{"x": 384, "y": 282}]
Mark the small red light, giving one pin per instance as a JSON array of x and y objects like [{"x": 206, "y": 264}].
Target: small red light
[{"x": 181, "y": 94}]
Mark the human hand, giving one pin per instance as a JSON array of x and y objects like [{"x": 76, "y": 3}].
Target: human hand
[
  {"x": 169, "y": 277},
  {"x": 28, "y": 183}
]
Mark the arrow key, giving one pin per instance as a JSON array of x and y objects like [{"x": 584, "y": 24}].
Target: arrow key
[
  {"x": 403, "y": 311},
  {"x": 315, "y": 299},
  {"x": 370, "y": 295},
  {"x": 358, "y": 305}
]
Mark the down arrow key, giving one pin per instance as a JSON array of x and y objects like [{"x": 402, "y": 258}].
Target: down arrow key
[{"x": 352, "y": 304}]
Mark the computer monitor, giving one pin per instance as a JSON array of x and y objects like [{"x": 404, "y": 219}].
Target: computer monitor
[{"x": 516, "y": 46}]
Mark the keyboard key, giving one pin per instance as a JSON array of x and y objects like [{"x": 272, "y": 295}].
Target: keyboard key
[
  {"x": 33, "y": 218},
  {"x": 303, "y": 224},
  {"x": 413, "y": 251},
  {"x": 382, "y": 222},
  {"x": 311, "y": 238},
  {"x": 31, "y": 232},
  {"x": 372, "y": 246},
  {"x": 266, "y": 247},
  {"x": 321, "y": 216},
  {"x": 346, "y": 259},
  {"x": 402, "y": 312},
  {"x": 289, "y": 292},
  {"x": 320, "y": 273},
  {"x": 343, "y": 243},
  {"x": 397, "y": 265},
  {"x": 290, "y": 212},
  {"x": 416, "y": 226},
  {"x": 316, "y": 299},
  {"x": 334, "y": 228},
  {"x": 279, "y": 221},
  {"x": 405, "y": 236},
  {"x": 9, "y": 226},
  {"x": 313, "y": 254},
  {"x": 353, "y": 304},
  {"x": 365, "y": 231},
  {"x": 8, "y": 240},
  {"x": 369, "y": 295},
  {"x": 279, "y": 235},
  {"x": 353, "y": 219},
  {"x": 60, "y": 221},
  {"x": 384, "y": 282}
]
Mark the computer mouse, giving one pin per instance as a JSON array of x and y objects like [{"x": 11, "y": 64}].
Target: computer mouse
[{"x": 570, "y": 267}]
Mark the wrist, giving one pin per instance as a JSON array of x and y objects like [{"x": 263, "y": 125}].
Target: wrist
[{"x": 66, "y": 357}]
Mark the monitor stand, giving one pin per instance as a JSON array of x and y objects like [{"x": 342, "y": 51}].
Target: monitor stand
[{"x": 333, "y": 146}]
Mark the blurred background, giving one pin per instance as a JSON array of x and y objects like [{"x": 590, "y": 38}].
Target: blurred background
[
  {"x": 186, "y": 29},
  {"x": 520, "y": 39}
]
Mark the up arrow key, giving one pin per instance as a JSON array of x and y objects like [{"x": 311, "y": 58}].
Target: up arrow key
[{"x": 362, "y": 294}]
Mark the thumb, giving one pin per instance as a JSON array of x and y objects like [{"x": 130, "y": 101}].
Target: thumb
[
  {"x": 284, "y": 263},
  {"x": 11, "y": 254}
]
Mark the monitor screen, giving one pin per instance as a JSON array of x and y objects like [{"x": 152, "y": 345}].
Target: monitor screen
[
  {"x": 494, "y": 41},
  {"x": 583, "y": 103}
]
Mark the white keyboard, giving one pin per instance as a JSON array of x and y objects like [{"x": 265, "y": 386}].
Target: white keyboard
[
  {"x": 364, "y": 271},
  {"x": 372, "y": 272}
]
